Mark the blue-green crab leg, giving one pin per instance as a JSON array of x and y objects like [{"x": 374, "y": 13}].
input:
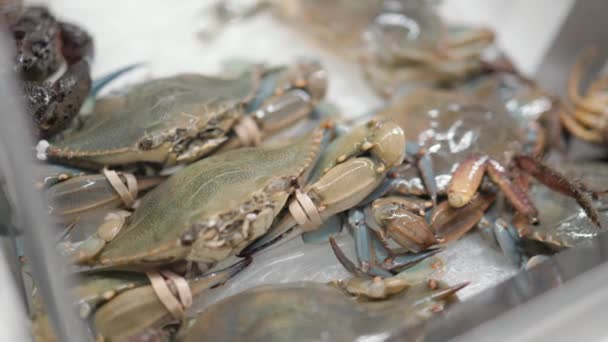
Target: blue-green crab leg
[
  {"x": 360, "y": 233},
  {"x": 374, "y": 256},
  {"x": 345, "y": 261},
  {"x": 510, "y": 242},
  {"x": 100, "y": 83},
  {"x": 368, "y": 249},
  {"x": 387, "y": 185},
  {"x": 332, "y": 226},
  {"x": 422, "y": 158},
  {"x": 267, "y": 88},
  {"x": 388, "y": 259}
]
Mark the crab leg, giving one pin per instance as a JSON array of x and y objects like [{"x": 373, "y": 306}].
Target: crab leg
[
  {"x": 468, "y": 176},
  {"x": 367, "y": 247},
  {"x": 100, "y": 83},
  {"x": 122, "y": 316},
  {"x": 424, "y": 163},
  {"x": 373, "y": 247},
  {"x": 557, "y": 182},
  {"x": 451, "y": 223},
  {"x": 92, "y": 246},
  {"x": 574, "y": 83},
  {"x": 332, "y": 226},
  {"x": 296, "y": 91},
  {"x": 579, "y": 130},
  {"x": 512, "y": 190},
  {"x": 341, "y": 180},
  {"x": 345, "y": 261}
]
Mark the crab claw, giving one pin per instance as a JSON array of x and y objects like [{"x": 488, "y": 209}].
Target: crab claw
[
  {"x": 392, "y": 216},
  {"x": 449, "y": 223},
  {"x": 310, "y": 75},
  {"x": 219, "y": 277},
  {"x": 383, "y": 141}
]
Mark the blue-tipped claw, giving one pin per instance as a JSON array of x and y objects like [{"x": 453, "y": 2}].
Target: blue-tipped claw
[
  {"x": 510, "y": 243},
  {"x": 374, "y": 257},
  {"x": 404, "y": 261},
  {"x": 344, "y": 260}
]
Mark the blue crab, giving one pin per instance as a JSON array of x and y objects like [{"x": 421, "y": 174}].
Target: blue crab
[
  {"x": 190, "y": 218},
  {"x": 396, "y": 42},
  {"x": 121, "y": 305},
  {"x": 180, "y": 119}
]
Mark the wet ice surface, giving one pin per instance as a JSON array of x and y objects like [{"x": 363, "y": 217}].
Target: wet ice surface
[
  {"x": 164, "y": 37},
  {"x": 469, "y": 259}
]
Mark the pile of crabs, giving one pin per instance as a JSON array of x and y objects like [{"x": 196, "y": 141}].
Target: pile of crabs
[{"x": 160, "y": 188}]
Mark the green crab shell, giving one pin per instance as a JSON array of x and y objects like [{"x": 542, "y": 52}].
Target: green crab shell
[
  {"x": 308, "y": 311},
  {"x": 199, "y": 212},
  {"x": 156, "y": 120}
]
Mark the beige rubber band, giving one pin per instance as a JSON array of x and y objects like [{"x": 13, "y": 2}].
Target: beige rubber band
[
  {"x": 181, "y": 285},
  {"x": 298, "y": 214},
  {"x": 128, "y": 192},
  {"x": 305, "y": 212},
  {"x": 165, "y": 295},
  {"x": 248, "y": 132}
]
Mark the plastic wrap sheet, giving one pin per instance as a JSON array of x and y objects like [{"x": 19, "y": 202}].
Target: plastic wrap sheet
[{"x": 165, "y": 38}]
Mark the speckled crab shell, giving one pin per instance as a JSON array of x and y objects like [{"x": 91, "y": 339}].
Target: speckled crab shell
[
  {"x": 212, "y": 208},
  {"x": 161, "y": 121},
  {"x": 306, "y": 311}
]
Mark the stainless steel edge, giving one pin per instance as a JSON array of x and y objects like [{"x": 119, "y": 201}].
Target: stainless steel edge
[
  {"x": 28, "y": 209},
  {"x": 533, "y": 305}
]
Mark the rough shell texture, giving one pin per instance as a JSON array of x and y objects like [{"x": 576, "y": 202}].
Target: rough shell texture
[
  {"x": 157, "y": 118},
  {"x": 309, "y": 312},
  {"x": 451, "y": 128},
  {"x": 213, "y": 196}
]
